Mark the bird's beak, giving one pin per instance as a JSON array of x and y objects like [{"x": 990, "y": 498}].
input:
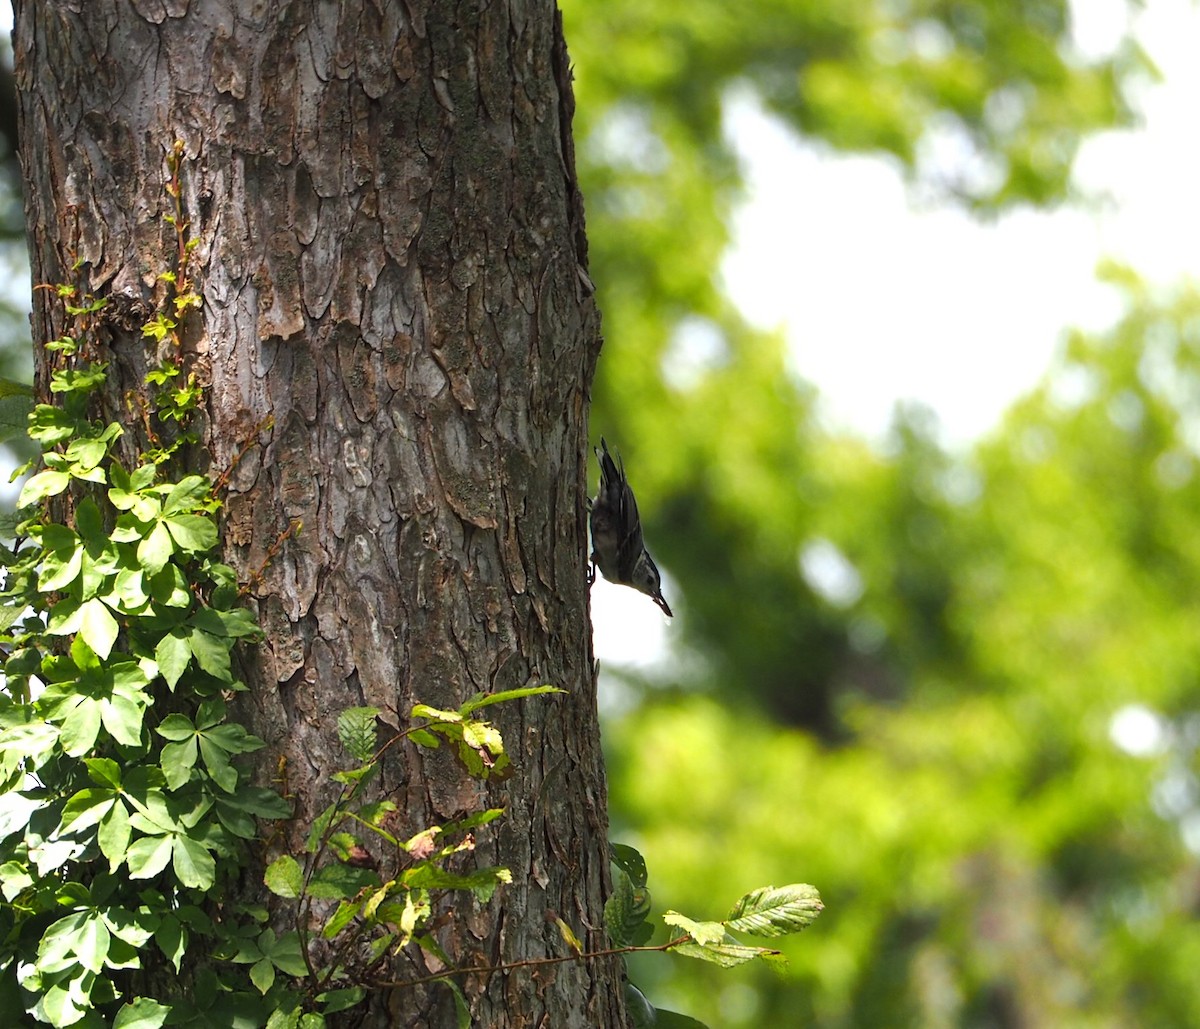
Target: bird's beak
[{"x": 658, "y": 599}]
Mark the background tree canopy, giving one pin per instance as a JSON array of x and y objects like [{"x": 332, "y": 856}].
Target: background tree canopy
[{"x": 934, "y": 747}]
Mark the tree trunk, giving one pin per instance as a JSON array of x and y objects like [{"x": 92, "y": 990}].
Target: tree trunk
[{"x": 398, "y": 340}]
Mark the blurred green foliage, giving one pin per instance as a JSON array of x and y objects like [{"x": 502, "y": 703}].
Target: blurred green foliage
[{"x": 934, "y": 744}]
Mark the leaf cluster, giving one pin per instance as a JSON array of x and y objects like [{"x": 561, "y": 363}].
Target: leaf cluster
[
  {"x": 373, "y": 890},
  {"x": 122, "y": 807},
  {"x": 768, "y": 912}
]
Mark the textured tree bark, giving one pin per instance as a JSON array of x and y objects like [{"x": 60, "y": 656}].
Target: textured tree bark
[{"x": 398, "y": 338}]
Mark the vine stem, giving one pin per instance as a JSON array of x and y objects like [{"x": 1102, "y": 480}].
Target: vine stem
[{"x": 589, "y": 955}]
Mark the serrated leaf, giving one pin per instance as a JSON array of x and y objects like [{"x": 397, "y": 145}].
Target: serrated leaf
[
  {"x": 356, "y": 730},
  {"x": 701, "y": 932},
  {"x": 487, "y": 699},
  {"x": 434, "y": 714},
  {"x": 625, "y": 913},
  {"x": 771, "y": 911},
  {"x": 727, "y": 955}
]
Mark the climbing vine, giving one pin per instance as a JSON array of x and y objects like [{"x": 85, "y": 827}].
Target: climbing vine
[{"x": 125, "y": 815}]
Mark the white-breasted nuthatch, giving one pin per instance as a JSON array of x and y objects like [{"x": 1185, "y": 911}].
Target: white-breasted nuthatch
[{"x": 617, "y": 546}]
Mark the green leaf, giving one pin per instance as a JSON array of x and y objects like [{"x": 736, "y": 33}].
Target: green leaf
[
  {"x": 113, "y": 836},
  {"x": 284, "y": 877},
  {"x": 211, "y": 654},
  {"x": 216, "y": 761},
  {"x": 64, "y": 618},
  {"x": 462, "y": 1013},
  {"x": 188, "y": 494},
  {"x": 172, "y": 939},
  {"x": 93, "y": 942},
  {"x": 129, "y": 590},
  {"x": 236, "y": 622},
  {"x": 701, "y": 932},
  {"x": 98, "y": 627},
  {"x": 62, "y": 559},
  {"x": 356, "y": 730},
  {"x": 434, "y": 714},
  {"x": 262, "y": 974},
  {"x": 142, "y": 1013},
  {"x": 15, "y": 388},
  {"x": 284, "y": 952},
  {"x": 425, "y": 738},
  {"x": 233, "y": 739},
  {"x": 148, "y": 856},
  {"x": 81, "y": 726},
  {"x": 89, "y": 523},
  {"x": 86, "y": 808},
  {"x": 341, "y": 1000},
  {"x": 626, "y": 911},
  {"x": 169, "y": 587},
  {"x": 177, "y": 761},
  {"x": 343, "y": 915},
  {"x": 122, "y": 717},
  {"x": 194, "y": 866},
  {"x": 14, "y": 415},
  {"x": 487, "y": 699},
  {"x": 156, "y": 549},
  {"x": 172, "y": 655},
  {"x": 771, "y": 912},
  {"x": 630, "y": 861},
  {"x": 727, "y": 955},
  {"x": 193, "y": 533},
  {"x": 104, "y": 771},
  {"x": 340, "y": 881},
  {"x": 45, "y": 484},
  {"x": 176, "y": 727},
  {"x": 57, "y": 948}
]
